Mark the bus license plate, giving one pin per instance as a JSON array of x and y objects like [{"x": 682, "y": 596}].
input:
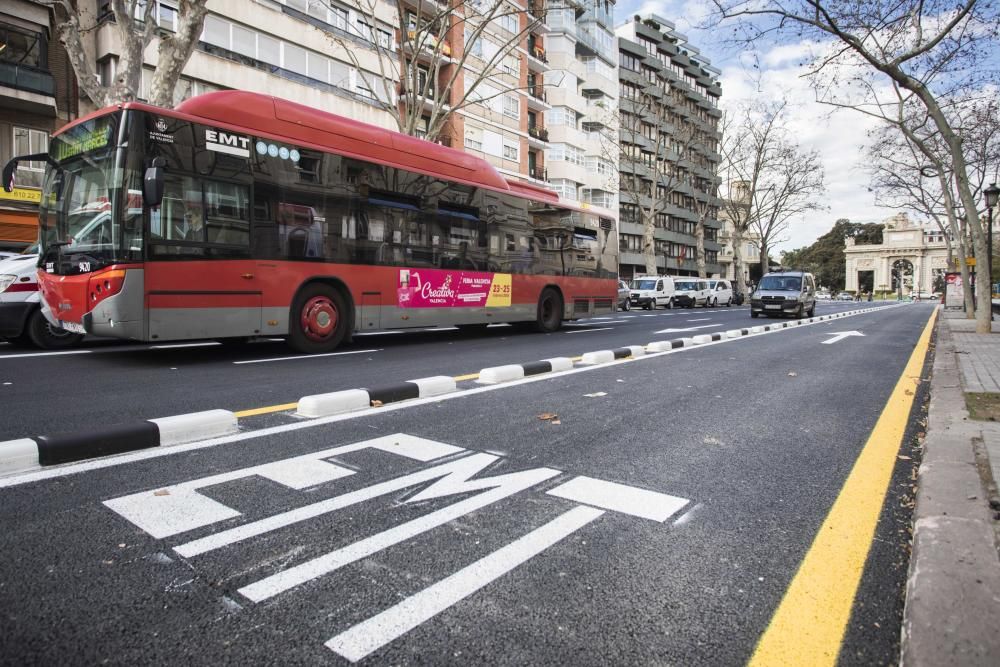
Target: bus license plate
[
  {"x": 72, "y": 327},
  {"x": 772, "y": 306}
]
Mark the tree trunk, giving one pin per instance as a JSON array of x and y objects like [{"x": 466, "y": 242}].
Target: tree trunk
[
  {"x": 741, "y": 282},
  {"x": 174, "y": 52},
  {"x": 699, "y": 238},
  {"x": 649, "y": 243},
  {"x": 970, "y": 310},
  {"x": 764, "y": 266}
]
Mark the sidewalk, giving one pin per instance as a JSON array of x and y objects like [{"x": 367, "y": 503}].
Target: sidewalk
[{"x": 952, "y": 612}]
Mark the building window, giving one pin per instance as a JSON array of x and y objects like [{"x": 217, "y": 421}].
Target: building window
[
  {"x": 510, "y": 152},
  {"x": 628, "y": 61},
  {"x": 511, "y": 106},
  {"x": 21, "y": 47},
  {"x": 30, "y": 142},
  {"x": 508, "y": 20}
]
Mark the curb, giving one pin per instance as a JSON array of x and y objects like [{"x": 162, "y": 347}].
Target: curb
[
  {"x": 511, "y": 372},
  {"x": 953, "y": 583},
  {"x": 46, "y": 450},
  {"x": 349, "y": 400}
]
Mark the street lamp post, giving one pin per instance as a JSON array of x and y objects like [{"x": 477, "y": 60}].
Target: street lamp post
[{"x": 991, "y": 193}]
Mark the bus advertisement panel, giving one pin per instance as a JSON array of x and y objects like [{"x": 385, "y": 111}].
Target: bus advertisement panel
[{"x": 240, "y": 215}]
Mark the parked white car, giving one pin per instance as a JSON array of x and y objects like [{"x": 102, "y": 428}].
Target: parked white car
[
  {"x": 691, "y": 292},
  {"x": 21, "y": 319},
  {"x": 651, "y": 291},
  {"x": 722, "y": 293}
]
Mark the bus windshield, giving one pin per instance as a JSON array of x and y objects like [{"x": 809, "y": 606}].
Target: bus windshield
[{"x": 76, "y": 221}]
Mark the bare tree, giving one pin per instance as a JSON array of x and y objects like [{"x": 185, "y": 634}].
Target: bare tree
[
  {"x": 771, "y": 180},
  {"x": 437, "y": 58},
  {"x": 137, "y": 26},
  {"x": 930, "y": 48}
]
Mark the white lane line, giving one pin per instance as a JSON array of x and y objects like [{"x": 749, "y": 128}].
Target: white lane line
[
  {"x": 43, "y": 354},
  {"x": 586, "y": 330},
  {"x": 590, "y": 324},
  {"x": 372, "y": 634},
  {"x": 17, "y": 479},
  {"x": 602, "y": 318},
  {"x": 180, "y": 345},
  {"x": 701, "y": 319},
  {"x": 305, "y": 356}
]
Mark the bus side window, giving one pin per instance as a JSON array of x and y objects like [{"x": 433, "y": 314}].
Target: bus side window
[{"x": 227, "y": 213}]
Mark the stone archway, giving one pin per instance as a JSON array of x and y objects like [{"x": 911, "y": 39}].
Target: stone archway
[{"x": 902, "y": 276}]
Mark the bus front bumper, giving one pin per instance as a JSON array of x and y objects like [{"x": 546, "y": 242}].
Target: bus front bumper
[{"x": 121, "y": 315}]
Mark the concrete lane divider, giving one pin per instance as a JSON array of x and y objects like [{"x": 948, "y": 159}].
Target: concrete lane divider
[
  {"x": 511, "y": 372},
  {"x": 46, "y": 450},
  {"x": 349, "y": 400}
]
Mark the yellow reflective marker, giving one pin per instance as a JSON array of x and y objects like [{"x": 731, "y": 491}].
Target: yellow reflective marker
[
  {"x": 808, "y": 626},
  {"x": 267, "y": 410}
]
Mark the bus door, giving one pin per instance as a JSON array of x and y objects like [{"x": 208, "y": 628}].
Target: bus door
[{"x": 201, "y": 281}]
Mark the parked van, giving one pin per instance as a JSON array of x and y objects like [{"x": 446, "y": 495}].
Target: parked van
[
  {"x": 691, "y": 292},
  {"x": 722, "y": 293},
  {"x": 21, "y": 319},
  {"x": 652, "y": 291}
]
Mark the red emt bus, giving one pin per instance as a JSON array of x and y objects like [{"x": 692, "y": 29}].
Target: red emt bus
[{"x": 240, "y": 215}]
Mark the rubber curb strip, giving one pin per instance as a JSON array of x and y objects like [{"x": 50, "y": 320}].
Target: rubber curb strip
[
  {"x": 46, "y": 450},
  {"x": 338, "y": 402}
]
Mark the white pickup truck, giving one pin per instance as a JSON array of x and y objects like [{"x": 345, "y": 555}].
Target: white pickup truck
[{"x": 21, "y": 319}]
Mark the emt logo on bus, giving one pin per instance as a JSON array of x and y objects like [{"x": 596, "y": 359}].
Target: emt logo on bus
[{"x": 223, "y": 142}]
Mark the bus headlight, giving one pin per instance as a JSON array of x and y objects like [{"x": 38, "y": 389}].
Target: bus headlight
[{"x": 103, "y": 285}]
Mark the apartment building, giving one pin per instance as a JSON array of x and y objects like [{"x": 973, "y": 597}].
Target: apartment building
[
  {"x": 668, "y": 161},
  {"x": 582, "y": 87},
  {"x": 37, "y": 96},
  {"x": 507, "y": 64}
]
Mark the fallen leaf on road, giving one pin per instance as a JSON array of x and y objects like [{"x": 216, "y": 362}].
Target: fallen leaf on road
[
  {"x": 596, "y": 394},
  {"x": 555, "y": 421},
  {"x": 161, "y": 492},
  {"x": 793, "y": 374},
  {"x": 376, "y": 403},
  {"x": 546, "y": 416},
  {"x": 903, "y": 458}
]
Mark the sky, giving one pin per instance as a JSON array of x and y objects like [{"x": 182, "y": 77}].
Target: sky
[{"x": 838, "y": 136}]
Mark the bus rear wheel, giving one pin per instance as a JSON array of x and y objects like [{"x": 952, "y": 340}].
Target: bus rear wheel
[
  {"x": 550, "y": 307},
  {"x": 319, "y": 320}
]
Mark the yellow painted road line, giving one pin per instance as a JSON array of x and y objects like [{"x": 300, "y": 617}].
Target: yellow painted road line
[
  {"x": 267, "y": 410},
  {"x": 808, "y": 626},
  {"x": 291, "y": 406}
]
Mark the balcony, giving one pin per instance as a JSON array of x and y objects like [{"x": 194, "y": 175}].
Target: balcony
[
  {"x": 539, "y": 133},
  {"x": 28, "y": 79},
  {"x": 538, "y": 174},
  {"x": 536, "y": 99},
  {"x": 537, "y": 61}
]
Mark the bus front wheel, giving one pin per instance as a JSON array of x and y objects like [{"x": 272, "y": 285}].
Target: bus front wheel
[
  {"x": 319, "y": 320},
  {"x": 550, "y": 307}
]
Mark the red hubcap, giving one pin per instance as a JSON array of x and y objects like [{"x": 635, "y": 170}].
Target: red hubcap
[{"x": 319, "y": 318}]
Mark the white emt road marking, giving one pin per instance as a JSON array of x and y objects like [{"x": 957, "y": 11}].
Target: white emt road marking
[
  {"x": 840, "y": 335},
  {"x": 176, "y": 509}
]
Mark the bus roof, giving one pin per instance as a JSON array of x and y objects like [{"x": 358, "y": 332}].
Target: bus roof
[{"x": 255, "y": 113}]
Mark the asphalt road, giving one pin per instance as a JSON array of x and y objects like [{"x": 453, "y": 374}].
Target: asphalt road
[
  {"x": 652, "y": 511},
  {"x": 113, "y": 382}
]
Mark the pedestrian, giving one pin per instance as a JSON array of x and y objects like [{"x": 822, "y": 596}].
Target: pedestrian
[
  {"x": 869, "y": 296},
  {"x": 857, "y": 296}
]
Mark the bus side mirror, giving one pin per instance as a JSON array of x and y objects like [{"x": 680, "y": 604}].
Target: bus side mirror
[
  {"x": 152, "y": 184},
  {"x": 8, "y": 175}
]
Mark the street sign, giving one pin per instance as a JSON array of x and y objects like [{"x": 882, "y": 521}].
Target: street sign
[{"x": 840, "y": 335}]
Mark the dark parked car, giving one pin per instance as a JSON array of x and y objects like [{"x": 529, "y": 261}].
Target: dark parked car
[{"x": 623, "y": 296}]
